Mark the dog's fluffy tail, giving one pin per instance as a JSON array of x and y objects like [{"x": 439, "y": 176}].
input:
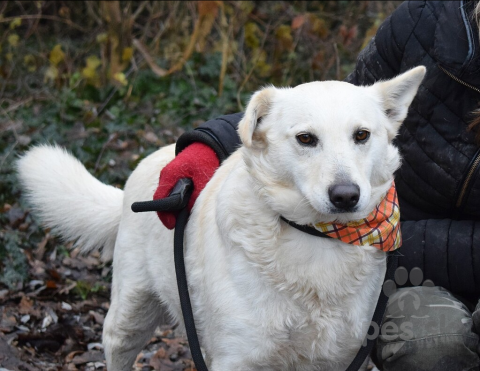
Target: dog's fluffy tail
[{"x": 70, "y": 200}]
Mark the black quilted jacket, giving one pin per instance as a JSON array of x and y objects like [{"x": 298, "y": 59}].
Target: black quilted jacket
[{"x": 438, "y": 183}]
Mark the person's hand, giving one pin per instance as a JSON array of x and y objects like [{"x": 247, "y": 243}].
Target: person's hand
[{"x": 197, "y": 162}]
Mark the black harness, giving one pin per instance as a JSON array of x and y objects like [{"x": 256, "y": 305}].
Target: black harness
[{"x": 177, "y": 200}]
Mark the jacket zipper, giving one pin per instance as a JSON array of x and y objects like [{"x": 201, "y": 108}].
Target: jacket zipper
[
  {"x": 467, "y": 180},
  {"x": 458, "y": 80},
  {"x": 476, "y": 161}
]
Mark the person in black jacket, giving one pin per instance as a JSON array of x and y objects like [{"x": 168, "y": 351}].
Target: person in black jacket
[{"x": 425, "y": 328}]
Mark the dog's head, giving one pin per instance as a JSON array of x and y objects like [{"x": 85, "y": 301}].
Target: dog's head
[{"x": 322, "y": 151}]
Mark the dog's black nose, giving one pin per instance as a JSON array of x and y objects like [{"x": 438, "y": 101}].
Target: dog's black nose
[{"x": 344, "y": 196}]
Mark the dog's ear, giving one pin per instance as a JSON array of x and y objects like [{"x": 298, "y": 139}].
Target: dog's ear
[
  {"x": 397, "y": 94},
  {"x": 257, "y": 108}
]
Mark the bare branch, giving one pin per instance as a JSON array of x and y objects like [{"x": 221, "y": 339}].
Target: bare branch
[{"x": 44, "y": 16}]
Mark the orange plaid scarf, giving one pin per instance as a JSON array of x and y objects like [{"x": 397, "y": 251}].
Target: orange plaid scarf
[{"x": 381, "y": 228}]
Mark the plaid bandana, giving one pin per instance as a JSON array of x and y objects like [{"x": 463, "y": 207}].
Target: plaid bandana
[{"x": 380, "y": 229}]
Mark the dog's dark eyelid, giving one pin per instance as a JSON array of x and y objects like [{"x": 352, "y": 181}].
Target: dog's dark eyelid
[
  {"x": 364, "y": 136},
  {"x": 311, "y": 143}
]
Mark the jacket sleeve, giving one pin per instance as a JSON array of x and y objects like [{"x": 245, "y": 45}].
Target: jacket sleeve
[
  {"x": 447, "y": 251},
  {"x": 220, "y": 134},
  {"x": 382, "y": 58}
]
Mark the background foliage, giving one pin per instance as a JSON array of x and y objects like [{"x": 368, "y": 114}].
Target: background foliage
[{"x": 114, "y": 80}]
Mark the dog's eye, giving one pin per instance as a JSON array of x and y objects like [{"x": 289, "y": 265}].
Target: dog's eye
[
  {"x": 306, "y": 139},
  {"x": 361, "y": 136}
]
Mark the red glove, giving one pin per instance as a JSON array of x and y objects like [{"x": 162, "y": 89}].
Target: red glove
[{"x": 197, "y": 162}]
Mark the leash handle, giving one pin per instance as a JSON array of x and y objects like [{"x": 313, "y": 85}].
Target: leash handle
[{"x": 176, "y": 200}]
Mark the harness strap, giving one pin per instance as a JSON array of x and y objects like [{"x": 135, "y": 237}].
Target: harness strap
[{"x": 177, "y": 200}]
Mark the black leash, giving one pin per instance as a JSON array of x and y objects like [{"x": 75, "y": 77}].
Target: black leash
[
  {"x": 364, "y": 351},
  {"x": 177, "y": 200}
]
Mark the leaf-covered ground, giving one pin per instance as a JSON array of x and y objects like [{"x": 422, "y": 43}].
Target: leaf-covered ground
[{"x": 55, "y": 321}]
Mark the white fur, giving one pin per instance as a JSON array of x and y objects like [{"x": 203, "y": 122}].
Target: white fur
[
  {"x": 70, "y": 200},
  {"x": 265, "y": 296}
]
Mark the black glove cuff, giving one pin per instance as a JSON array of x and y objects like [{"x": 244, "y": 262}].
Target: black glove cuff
[{"x": 202, "y": 136}]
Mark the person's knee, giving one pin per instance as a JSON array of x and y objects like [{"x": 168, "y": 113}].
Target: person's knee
[{"x": 426, "y": 328}]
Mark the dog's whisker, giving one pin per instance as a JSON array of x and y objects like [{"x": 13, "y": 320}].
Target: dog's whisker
[{"x": 304, "y": 199}]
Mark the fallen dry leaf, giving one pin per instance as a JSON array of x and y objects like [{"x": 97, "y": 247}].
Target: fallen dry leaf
[
  {"x": 71, "y": 355},
  {"x": 26, "y": 306},
  {"x": 7, "y": 323},
  {"x": 99, "y": 318},
  {"x": 90, "y": 356},
  {"x": 40, "y": 250}
]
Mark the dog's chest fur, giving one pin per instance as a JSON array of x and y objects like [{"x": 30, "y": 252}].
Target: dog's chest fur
[{"x": 273, "y": 296}]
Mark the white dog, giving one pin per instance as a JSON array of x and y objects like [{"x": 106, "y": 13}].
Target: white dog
[{"x": 265, "y": 296}]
